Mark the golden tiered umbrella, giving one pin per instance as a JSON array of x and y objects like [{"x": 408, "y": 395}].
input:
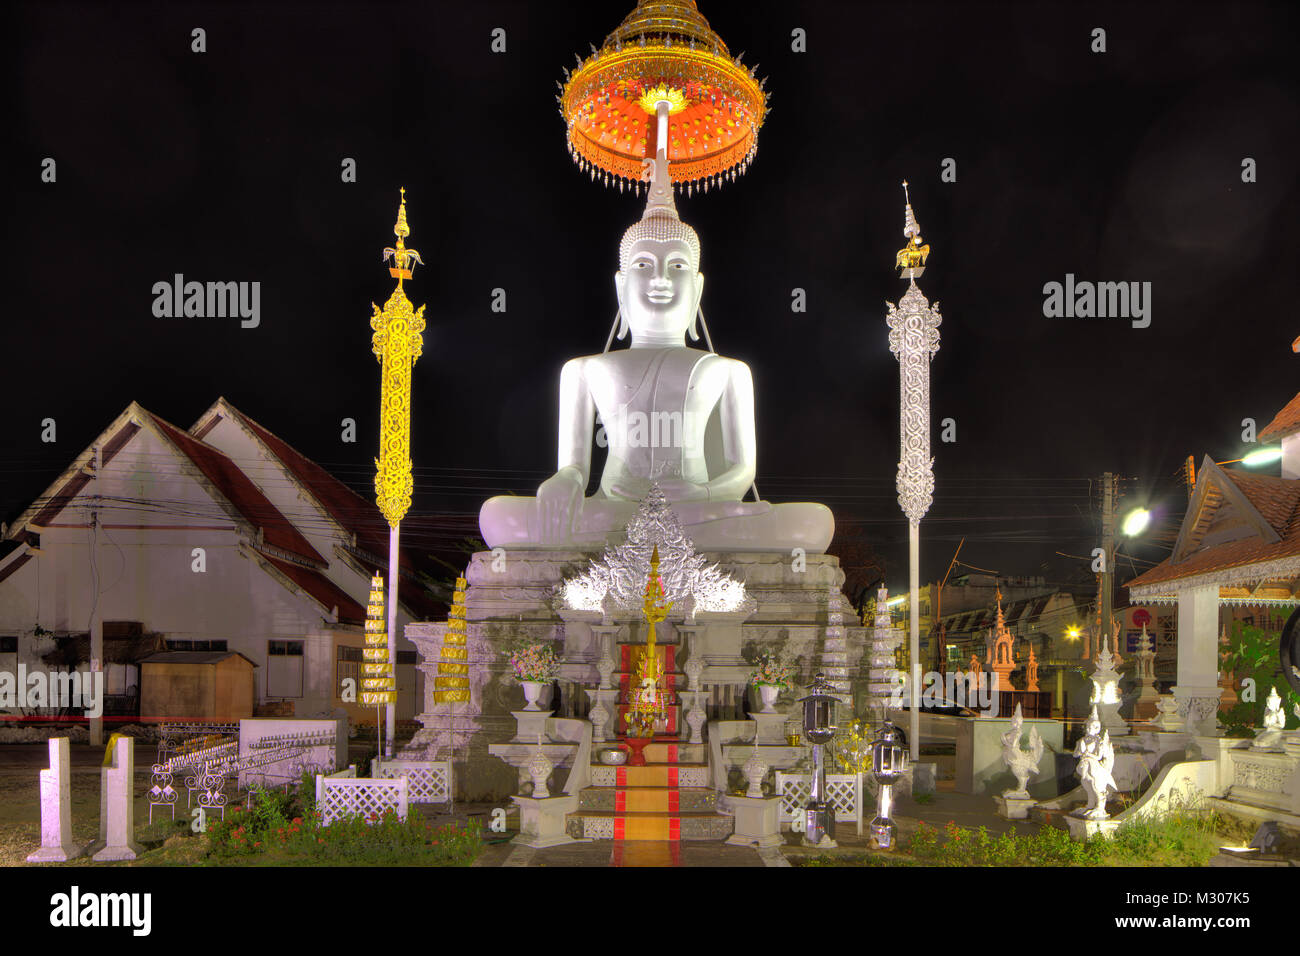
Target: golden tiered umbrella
[
  {"x": 663, "y": 50},
  {"x": 452, "y": 683},
  {"x": 378, "y": 685}
]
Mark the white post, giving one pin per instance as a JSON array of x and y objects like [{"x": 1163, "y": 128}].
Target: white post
[
  {"x": 914, "y": 645},
  {"x": 117, "y": 805},
  {"x": 56, "y": 808},
  {"x": 394, "y": 534},
  {"x": 1198, "y": 689}
]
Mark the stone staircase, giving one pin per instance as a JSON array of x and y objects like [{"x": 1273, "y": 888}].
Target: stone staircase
[{"x": 667, "y": 799}]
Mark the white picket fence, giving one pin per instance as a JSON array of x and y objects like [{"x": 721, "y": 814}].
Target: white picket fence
[
  {"x": 430, "y": 780},
  {"x": 843, "y": 792},
  {"x": 338, "y": 797}
]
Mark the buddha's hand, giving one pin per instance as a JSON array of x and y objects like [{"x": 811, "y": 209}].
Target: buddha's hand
[
  {"x": 679, "y": 489},
  {"x": 559, "y": 503}
]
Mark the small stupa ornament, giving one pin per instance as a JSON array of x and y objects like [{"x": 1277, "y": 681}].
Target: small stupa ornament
[
  {"x": 911, "y": 258},
  {"x": 402, "y": 257}
]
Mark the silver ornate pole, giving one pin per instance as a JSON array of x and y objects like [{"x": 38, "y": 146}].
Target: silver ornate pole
[{"x": 914, "y": 338}]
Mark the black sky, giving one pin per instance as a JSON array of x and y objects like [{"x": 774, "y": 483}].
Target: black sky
[{"x": 226, "y": 166}]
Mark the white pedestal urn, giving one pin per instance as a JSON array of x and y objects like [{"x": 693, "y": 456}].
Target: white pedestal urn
[
  {"x": 532, "y": 693},
  {"x": 768, "y": 693},
  {"x": 755, "y": 769},
  {"x": 539, "y": 768}
]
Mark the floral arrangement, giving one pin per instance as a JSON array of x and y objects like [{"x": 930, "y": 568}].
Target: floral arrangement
[
  {"x": 772, "y": 671},
  {"x": 534, "y": 662}
]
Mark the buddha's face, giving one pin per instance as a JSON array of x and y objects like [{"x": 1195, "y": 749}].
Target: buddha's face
[{"x": 660, "y": 291}]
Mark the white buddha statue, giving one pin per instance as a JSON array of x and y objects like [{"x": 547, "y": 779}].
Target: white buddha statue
[{"x": 677, "y": 416}]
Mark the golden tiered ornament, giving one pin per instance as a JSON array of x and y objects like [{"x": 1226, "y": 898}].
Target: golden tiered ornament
[
  {"x": 451, "y": 686},
  {"x": 378, "y": 685},
  {"x": 648, "y": 703}
]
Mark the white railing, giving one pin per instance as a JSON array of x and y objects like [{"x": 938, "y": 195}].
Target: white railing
[
  {"x": 843, "y": 792},
  {"x": 430, "y": 780},
  {"x": 340, "y": 797}
]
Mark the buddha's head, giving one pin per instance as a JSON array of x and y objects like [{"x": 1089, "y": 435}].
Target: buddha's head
[{"x": 658, "y": 282}]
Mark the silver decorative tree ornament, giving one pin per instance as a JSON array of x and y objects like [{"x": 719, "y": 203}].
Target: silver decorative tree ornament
[{"x": 914, "y": 338}]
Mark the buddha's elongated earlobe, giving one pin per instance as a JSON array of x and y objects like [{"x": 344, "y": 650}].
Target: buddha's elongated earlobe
[{"x": 621, "y": 319}]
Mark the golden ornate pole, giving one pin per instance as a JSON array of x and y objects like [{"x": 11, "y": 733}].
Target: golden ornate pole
[
  {"x": 647, "y": 702},
  {"x": 397, "y": 343}
]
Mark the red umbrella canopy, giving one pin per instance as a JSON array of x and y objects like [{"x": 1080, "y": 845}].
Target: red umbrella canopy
[{"x": 663, "y": 50}]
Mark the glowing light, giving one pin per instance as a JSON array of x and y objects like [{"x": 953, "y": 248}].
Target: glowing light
[
  {"x": 1262, "y": 457},
  {"x": 1136, "y": 521},
  {"x": 1073, "y": 633}
]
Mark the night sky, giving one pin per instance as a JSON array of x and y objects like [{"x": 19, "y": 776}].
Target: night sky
[{"x": 225, "y": 166}]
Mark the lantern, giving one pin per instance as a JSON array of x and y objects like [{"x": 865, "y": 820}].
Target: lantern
[
  {"x": 888, "y": 764},
  {"x": 819, "y": 728},
  {"x": 819, "y": 711}
]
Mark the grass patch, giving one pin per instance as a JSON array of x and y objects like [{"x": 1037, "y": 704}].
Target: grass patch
[{"x": 1185, "y": 839}]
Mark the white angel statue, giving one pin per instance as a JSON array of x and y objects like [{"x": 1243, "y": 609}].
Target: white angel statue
[{"x": 1096, "y": 763}]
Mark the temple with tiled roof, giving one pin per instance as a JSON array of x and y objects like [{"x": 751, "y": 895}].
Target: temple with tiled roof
[
  {"x": 220, "y": 537},
  {"x": 1239, "y": 545}
]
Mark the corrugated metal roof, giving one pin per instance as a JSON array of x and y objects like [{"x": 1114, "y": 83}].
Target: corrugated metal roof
[{"x": 191, "y": 657}]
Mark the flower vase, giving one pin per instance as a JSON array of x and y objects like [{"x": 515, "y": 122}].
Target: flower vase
[
  {"x": 768, "y": 693},
  {"x": 532, "y": 693}
]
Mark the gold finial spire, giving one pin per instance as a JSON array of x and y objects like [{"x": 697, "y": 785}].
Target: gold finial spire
[
  {"x": 648, "y": 704},
  {"x": 402, "y": 257},
  {"x": 911, "y": 258}
]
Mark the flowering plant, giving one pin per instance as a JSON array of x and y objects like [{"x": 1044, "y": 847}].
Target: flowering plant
[
  {"x": 772, "y": 671},
  {"x": 534, "y": 662}
]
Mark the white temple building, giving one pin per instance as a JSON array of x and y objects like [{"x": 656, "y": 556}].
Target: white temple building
[{"x": 221, "y": 537}]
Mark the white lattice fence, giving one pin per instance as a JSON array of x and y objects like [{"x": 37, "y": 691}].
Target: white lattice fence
[
  {"x": 843, "y": 792},
  {"x": 430, "y": 780},
  {"x": 339, "y": 797}
]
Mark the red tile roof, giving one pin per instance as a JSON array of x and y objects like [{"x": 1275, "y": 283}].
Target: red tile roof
[
  {"x": 358, "y": 515},
  {"x": 1276, "y": 499},
  {"x": 324, "y": 591},
  {"x": 1284, "y": 422},
  {"x": 277, "y": 530}
]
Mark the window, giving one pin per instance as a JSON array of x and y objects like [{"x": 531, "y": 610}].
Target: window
[
  {"x": 196, "y": 645},
  {"x": 284, "y": 668},
  {"x": 407, "y": 657},
  {"x": 347, "y": 666},
  {"x": 9, "y": 644}
]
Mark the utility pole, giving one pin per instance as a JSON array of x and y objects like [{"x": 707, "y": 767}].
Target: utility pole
[
  {"x": 1107, "y": 603},
  {"x": 96, "y": 614}
]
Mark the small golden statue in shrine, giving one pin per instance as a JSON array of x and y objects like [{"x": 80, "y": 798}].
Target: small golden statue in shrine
[{"x": 647, "y": 704}]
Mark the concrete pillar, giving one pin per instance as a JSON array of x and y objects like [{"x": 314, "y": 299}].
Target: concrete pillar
[
  {"x": 117, "y": 803},
  {"x": 56, "y": 808},
  {"x": 1197, "y": 689}
]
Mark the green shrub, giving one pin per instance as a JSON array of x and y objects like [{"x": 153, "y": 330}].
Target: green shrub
[
  {"x": 1182, "y": 839},
  {"x": 278, "y": 830}
]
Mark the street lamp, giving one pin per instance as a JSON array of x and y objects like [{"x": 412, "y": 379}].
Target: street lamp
[
  {"x": 1262, "y": 457},
  {"x": 1136, "y": 521}
]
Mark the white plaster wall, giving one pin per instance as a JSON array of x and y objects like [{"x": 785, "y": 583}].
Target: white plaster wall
[{"x": 145, "y": 573}]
